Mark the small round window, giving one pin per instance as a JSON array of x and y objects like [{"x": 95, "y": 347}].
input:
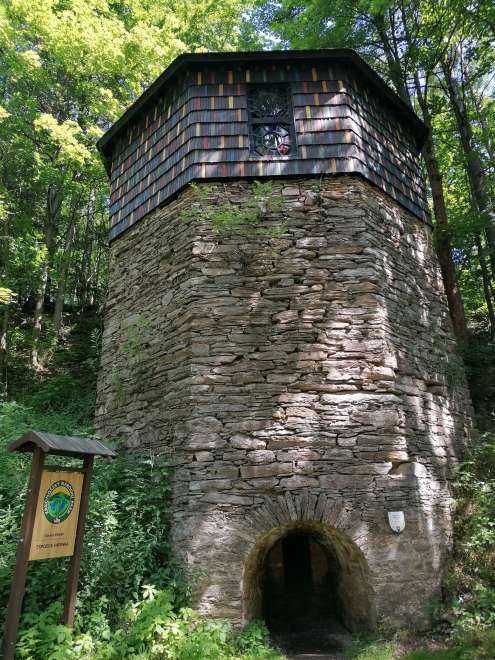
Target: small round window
[{"x": 272, "y": 139}]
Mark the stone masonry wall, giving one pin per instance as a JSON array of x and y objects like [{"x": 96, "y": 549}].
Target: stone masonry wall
[{"x": 305, "y": 379}]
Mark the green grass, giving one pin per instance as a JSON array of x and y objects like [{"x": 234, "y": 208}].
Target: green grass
[
  {"x": 447, "y": 654},
  {"x": 372, "y": 649}
]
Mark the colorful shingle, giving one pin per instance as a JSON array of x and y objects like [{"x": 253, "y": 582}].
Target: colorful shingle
[{"x": 196, "y": 126}]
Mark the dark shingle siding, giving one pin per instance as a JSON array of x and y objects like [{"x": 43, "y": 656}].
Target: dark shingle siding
[{"x": 199, "y": 130}]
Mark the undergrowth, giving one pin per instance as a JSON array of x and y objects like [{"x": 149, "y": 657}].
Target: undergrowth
[
  {"x": 133, "y": 597},
  {"x": 464, "y": 621},
  {"x": 469, "y": 603},
  {"x": 150, "y": 628}
]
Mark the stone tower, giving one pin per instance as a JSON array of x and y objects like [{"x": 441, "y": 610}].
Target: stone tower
[{"x": 279, "y": 332}]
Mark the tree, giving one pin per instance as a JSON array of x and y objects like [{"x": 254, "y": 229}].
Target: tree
[
  {"x": 68, "y": 70},
  {"x": 408, "y": 42}
]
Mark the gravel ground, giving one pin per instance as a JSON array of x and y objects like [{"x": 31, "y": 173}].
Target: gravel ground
[{"x": 326, "y": 642}]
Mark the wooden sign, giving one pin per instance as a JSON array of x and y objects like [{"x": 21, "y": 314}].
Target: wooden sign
[
  {"x": 54, "y": 518},
  {"x": 57, "y": 513}
]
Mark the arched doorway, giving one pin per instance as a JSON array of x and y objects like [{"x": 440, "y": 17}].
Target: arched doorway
[
  {"x": 300, "y": 585},
  {"x": 309, "y": 582}
]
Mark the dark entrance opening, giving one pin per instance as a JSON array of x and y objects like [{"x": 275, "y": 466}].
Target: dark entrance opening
[
  {"x": 301, "y": 605},
  {"x": 310, "y": 582}
]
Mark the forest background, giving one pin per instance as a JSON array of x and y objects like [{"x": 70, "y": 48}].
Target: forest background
[{"x": 68, "y": 69}]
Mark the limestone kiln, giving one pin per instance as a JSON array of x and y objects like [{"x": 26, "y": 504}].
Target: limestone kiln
[{"x": 279, "y": 331}]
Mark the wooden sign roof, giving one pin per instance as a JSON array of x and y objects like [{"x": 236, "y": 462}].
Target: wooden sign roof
[{"x": 61, "y": 445}]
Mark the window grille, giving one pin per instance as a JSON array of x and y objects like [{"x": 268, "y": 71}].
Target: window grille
[{"x": 271, "y": 124}]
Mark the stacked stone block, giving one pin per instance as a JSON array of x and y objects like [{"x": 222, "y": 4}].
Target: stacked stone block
[{"x": 302, "y": 378}]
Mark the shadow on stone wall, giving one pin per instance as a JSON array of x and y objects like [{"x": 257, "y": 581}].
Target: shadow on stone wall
[
  {"x": 324, "y": 379},
  {"x": 312, "y": 389}
]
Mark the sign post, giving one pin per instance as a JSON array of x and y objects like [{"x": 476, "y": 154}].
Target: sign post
[
  {"x": 54, "y": 518},
  {"x": 21, "y": 563},
  {"x": 75, "y": 561}
]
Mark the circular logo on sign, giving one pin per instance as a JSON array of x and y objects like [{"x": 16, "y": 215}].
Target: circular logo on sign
[{"x": 58, "y": 502}]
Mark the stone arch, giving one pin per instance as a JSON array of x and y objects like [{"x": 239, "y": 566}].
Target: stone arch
[{"x": 353, "y": 588}]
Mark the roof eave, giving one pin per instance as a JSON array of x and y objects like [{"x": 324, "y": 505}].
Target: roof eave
[
  {"x": 64, "y": 445},
  {"x": 420, "y": 130}
]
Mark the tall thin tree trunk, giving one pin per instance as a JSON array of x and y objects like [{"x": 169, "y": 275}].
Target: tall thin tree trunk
[
  {"x": 487, "y": 139},
  {"x": 487, "y": 290},
  {"x": 3, "y": 348},
  {"x": 63, "y": 270},
  {"x": 97, "y": 268},
  {"x": 38, "y": 315},
  {"x": 393, "y": 62},
  {"x": 53, "y": 206},
  {"x": 474, "y": 166},
  {"x": 85, "y": 276},
  {"x": 4, "y": 325},
  {"x": 443, "y": 246}
]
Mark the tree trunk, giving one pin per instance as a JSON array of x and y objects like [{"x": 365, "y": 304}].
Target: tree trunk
[
  {"x": 97, "y": 269},
  {"x": 474, "y": 166},
  {"x": 53, "y": 206},
  {"x": 85, "y": 274},
  {"x": 443, "y": 246},
  {"x": 393, "y": 63},
  {"x": 38, "y": 316},
  {"x": 3, "y": 349},
  {"x": 63, "y": 271},
  {"x": 4, "y": 269},
  {"x": 487, "y": 139},
  {"x": 486, "y": 285}
]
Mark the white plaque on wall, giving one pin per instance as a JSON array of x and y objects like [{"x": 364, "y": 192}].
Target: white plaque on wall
[{"x": 397, "y": 521}]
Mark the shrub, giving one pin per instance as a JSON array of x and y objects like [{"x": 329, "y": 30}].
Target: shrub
[
  {"x": 126, "y": 541},
  {"x": 470, "y": 583},
  {"x": 149, "y": 629},
  {"x": 126, "y": 550}
]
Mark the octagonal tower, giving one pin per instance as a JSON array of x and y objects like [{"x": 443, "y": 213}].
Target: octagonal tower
[{"x": 279, "y": 332}]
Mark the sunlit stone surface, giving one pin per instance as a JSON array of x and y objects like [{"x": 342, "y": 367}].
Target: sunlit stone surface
[{"x": 303, "y": 382}]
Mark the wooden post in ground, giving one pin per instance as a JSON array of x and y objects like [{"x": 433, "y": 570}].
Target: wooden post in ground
[
  {"x": 75, "y": 560},
  {"x": 37, "y": 520},
  {"x": 21, "y": 563}
]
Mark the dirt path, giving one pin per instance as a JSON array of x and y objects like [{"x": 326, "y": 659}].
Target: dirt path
[
  {"x": 312, "y": 643},
  {"x": 316, "y": 656}
]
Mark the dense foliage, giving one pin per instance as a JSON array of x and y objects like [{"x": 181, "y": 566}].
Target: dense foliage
[
  {"x": 68, "y": 69},
  {"x": 121, "y": 613},
  {"x": 470, "y": 584},
  {"x": 126, "y": 544}
]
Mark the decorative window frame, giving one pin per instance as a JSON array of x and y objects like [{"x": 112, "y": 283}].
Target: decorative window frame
[{"x": 286, "y": 120}]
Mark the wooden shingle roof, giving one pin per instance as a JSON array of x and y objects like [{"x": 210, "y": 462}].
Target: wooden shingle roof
[
  {"x": 194, "y": 124},
  {"x": 61, "y": 445},
  {"x": 344, "y": 55}
]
